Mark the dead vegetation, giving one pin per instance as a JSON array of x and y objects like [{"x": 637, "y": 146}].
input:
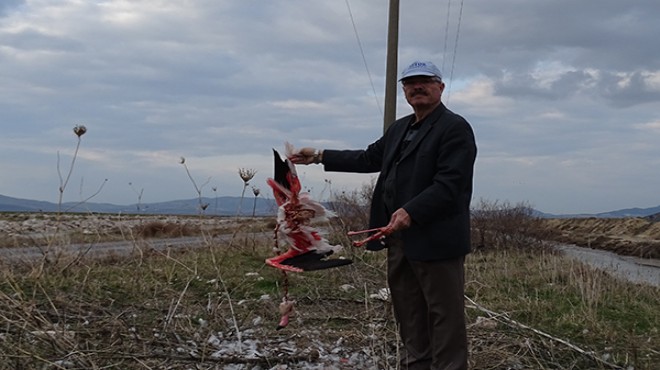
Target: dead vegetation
[
  {"x": 215, "y": 307},
  {"x": 19, "y": 230},
  {"x": 501, "y": 225},
  {"x": 159, "y": 229},
  {"x": 638, "y": 237}
]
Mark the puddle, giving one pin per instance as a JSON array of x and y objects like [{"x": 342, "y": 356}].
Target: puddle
[{"x": 636, "y": 270}]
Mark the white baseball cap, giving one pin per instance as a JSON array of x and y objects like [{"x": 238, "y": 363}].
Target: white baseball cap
[{"x": 419, "y": 68}]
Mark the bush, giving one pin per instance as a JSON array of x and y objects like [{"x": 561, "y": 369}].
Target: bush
[
  {"x": 352, "y": 208},
  {"x": 501, "y": 225},
  {"x": 164, "y": 229}
]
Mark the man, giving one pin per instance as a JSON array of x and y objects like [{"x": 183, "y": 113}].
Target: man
[{"x": 423, "y": 195}]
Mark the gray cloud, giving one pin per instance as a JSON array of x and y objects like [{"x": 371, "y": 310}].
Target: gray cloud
[
  {"x": 561, "y": 94},
  {"x": 9, "y": 5}
]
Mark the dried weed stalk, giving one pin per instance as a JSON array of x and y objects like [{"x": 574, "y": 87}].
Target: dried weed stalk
[
  {"x": 246, "y": 175},
  {"x": 256, "y": 193},
  {"x": 50, "y": 255},
  {"x": 201, "y": 206}
]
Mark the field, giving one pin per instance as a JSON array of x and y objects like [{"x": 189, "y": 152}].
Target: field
[{"x": 213, "y": 304}]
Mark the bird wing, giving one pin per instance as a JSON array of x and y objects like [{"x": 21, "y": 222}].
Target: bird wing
[{"x": 307, "y": 248}]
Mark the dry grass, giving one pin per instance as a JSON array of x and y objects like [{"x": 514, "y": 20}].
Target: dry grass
[
  {"x": 216, "y": 308},
  {"x": 171, "y": 310},
  {"x": 639, "y": 237},
  {"x": 614, "y": 322},
  {"x": 19, "y": 230}
]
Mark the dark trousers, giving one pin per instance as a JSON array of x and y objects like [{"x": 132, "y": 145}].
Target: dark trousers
[{"x": 428, "y": 302}]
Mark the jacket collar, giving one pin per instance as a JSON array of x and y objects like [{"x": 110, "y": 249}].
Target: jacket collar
[{"x": 425, "y": 126}]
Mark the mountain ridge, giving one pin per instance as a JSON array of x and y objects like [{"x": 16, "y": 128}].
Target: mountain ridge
[
  {"x": 222, "y": 206},
  {"x": 229, "y": 206}
]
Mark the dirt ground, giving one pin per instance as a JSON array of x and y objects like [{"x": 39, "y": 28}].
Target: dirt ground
[
  {"x": 19, "y": 230},
  {"x": 639, "y": 237}
]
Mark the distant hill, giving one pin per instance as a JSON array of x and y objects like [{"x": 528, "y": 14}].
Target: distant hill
[
  {"x": 654, "y": 218},
  {"x": 631, "y": 212},
  {"x": 622, "y": 213},
  {"x": 228, "y": 206},
  {"x": 223, "y": 206}
]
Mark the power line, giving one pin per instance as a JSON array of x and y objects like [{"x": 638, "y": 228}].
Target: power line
[
  {"x": 364, "y": 59},
  {"x": 444, "y": 51},
  {"x": 453, "y": 61}
]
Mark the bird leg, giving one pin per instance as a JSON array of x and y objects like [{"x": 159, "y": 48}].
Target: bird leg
[
  {"x": 277, "y": 261},
  {"x": 286, "y": 309},
  {"x": 381, "y": 233}
]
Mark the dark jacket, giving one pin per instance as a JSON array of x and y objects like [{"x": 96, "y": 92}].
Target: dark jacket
[{"x": 433, "y": 182}]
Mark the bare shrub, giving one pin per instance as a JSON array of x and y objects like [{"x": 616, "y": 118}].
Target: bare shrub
[
  {"x": 494, "y": 224},
  {"x": 502, "y": 225},
  {"x": 164, "y": 229},
  {"x": 352, "y": 208}
]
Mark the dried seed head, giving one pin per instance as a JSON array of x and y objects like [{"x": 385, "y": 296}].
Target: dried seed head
[
  {"x": 246, "y": 174},
  {"x": 182, "y": 160},
  {"x": 256, "y": 191},
  {"x": 79, "y": 130}
]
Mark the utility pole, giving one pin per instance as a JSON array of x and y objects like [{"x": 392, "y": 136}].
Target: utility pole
[{"x": 391, "y": 68}]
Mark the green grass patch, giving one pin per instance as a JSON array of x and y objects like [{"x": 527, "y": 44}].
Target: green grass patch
[{"x": 568, "y": 300}]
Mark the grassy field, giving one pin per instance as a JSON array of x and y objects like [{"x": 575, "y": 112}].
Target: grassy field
[{"x": 216, "y": 307}]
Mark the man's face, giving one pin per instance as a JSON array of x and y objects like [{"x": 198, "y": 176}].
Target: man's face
[{"x": 422, "y": 91}]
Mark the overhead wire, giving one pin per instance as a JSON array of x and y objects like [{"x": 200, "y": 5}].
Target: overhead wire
[
  {"x": 364, "y": 59},
  {"x": 444, "y": 52},
  {"x": 453, "y": 60}
]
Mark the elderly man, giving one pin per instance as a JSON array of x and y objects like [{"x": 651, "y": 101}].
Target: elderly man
[{"x": 422, "y": 196}]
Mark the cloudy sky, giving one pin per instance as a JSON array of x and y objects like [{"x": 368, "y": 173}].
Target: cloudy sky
[{"x": 564, "y": 96}]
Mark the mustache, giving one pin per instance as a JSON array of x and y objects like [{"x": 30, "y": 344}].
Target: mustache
[{"x": 419, "y": 91}]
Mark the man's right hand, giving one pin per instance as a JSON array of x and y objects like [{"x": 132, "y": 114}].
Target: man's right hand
[{"x": 305, "y": 155}]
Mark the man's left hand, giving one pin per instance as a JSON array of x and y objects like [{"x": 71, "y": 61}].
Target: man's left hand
[{"x": 400, "y": 220}]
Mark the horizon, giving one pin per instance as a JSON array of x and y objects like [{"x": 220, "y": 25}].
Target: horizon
[{"x": 260, "y": 198}]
